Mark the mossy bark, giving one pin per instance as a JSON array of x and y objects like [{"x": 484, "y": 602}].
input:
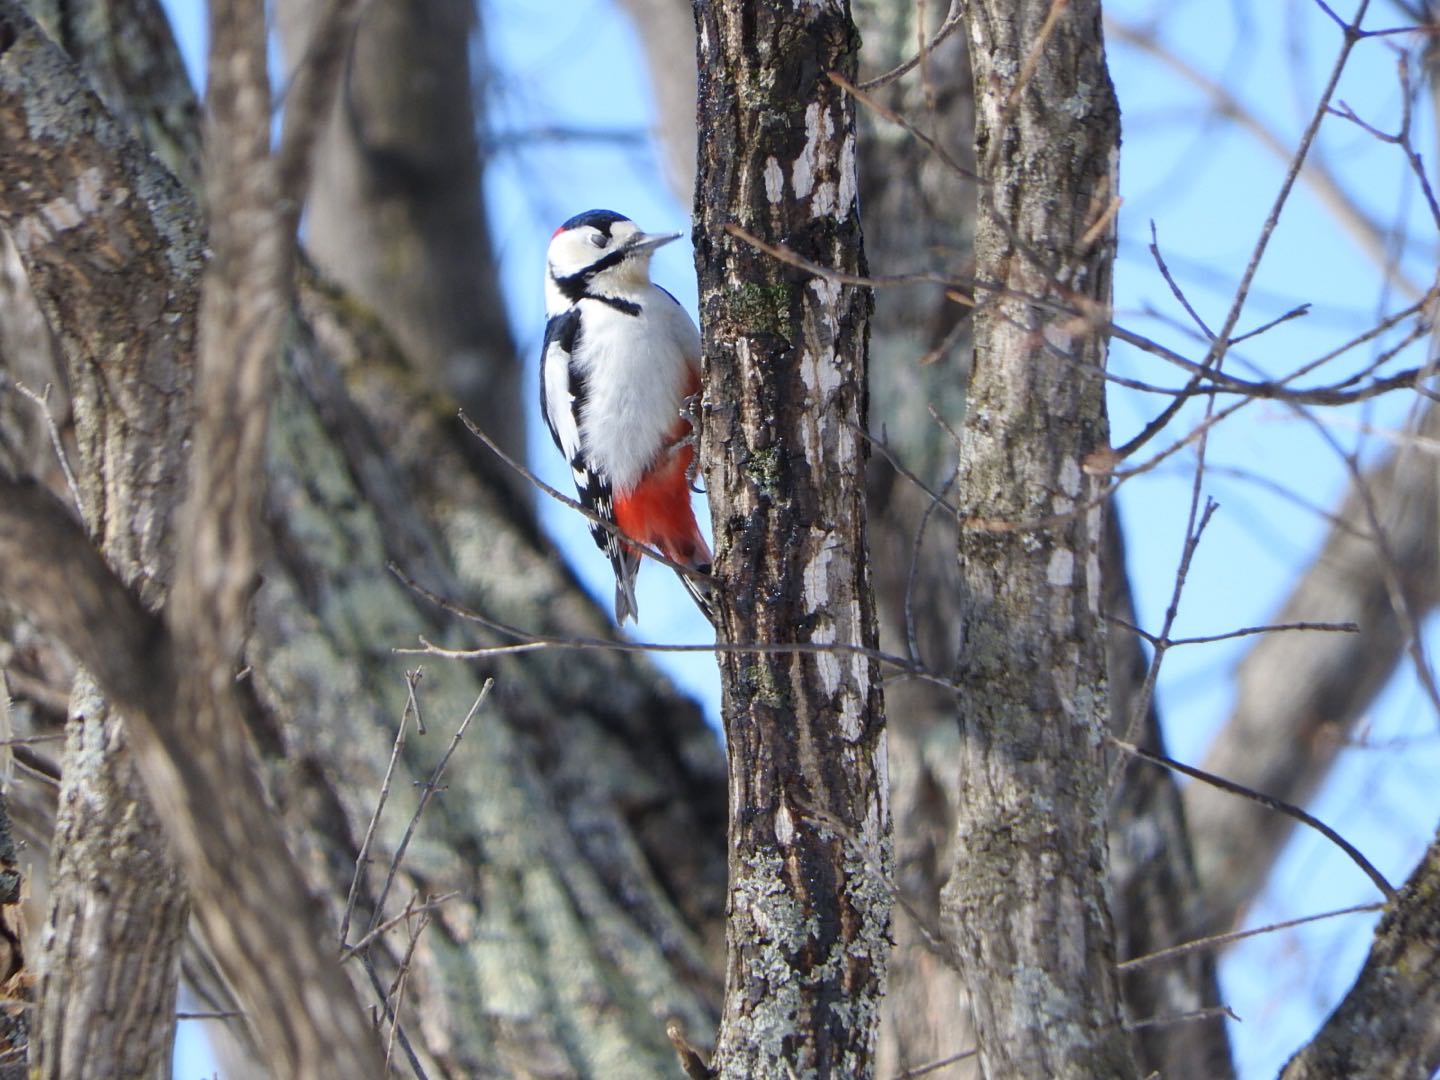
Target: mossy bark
[{"x": 784, "y": 405}]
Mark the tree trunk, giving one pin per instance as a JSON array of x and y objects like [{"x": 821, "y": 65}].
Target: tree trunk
[
  {"x": 117, "y": 917},
  {"x": 1026, "y": 899},
  {"x": 784, "y": 403},
  {"x": 1388, "y": 1026},
  {"x": 117, "y": 908}
]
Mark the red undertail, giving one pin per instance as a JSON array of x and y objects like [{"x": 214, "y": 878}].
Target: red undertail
[{"x": 658, "y": 512}]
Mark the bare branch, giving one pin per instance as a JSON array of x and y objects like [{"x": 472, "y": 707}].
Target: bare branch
[
  {"x": 362, "y": 857},
  {"x": 1272, "y": 803},
  {"x": 427, "y": 792},
  {"x": 1214, "y": 941}
]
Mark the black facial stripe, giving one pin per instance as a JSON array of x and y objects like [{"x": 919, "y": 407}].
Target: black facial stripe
[
  {"x": 626, "y": 306},
  {"x": 574, "y": 285}
]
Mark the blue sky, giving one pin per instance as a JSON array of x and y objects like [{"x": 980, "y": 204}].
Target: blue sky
[{"x": 1207, "y": 186}]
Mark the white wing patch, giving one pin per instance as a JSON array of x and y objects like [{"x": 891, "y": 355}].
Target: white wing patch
[
  {"x": 563, "y": 393},
  {"x": 559, "y": 403}
]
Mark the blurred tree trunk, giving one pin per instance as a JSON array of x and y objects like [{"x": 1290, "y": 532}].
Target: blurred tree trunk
[
  {"x": 919, "y": 215},
  {"x": 784, "y": 408},
  {"x": 396, "y": 214}
]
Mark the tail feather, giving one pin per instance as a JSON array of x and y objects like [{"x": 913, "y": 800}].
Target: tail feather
[
  {"x": 702, "y": 592},
  {"x": 626, "y": 567}
]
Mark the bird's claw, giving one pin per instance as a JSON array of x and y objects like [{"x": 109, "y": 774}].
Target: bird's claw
[{"x": 690, "y": 413}]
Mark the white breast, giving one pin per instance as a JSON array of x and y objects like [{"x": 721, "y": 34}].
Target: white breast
[{"x": 636, "y": 368}]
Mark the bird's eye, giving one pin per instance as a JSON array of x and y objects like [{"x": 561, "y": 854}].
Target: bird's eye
[{"x": 598, "y": 239}]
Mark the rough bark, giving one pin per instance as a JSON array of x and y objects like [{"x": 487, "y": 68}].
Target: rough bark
[
  {"x": 1388, "y": 1026},
  {"x": 95, "y": 953},
  {"x": 16, "y": 1021},
  {"x": 82, "y": 202},
  {"x": 784, "y": 399},
  {"x": 395, "y": 212},
  {"x": 128, "y": 53},
  {"x": 1026, "y": 899},
  {"x": 919, "y": 216},
  {"x": 1283, "y": 735},
  {"x": 118, "y": 911}
]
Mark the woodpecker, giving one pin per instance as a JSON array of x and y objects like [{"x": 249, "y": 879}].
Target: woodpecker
[{"x": 621, "y": 362}]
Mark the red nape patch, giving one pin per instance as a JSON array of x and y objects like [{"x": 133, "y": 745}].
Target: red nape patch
[
  {"x": 658, "y": 512},
  {"x": 557, "y": 232}
]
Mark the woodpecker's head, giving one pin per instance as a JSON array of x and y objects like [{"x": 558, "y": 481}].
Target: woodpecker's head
[{"x": 598, "y": 253}]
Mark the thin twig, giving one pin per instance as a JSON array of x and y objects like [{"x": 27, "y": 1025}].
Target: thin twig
[
  {"x": 691, "y": 1061},
  {"x": 895, "y": 118},
  {"x": 1268, "y": 801},
  {"x": 952, "y": 22},
  {"x": 590, "y": 515},
  {"x": 31, "y": 740},
  {"x": 224, "y": 1014},
  {"x": 1242, "y": 291},
  {"x": 1367, "y": 234},
  {"x": 396, "y": 1031},
  {"x": 402, "y": 980},
  {"x": 42, "y": 402},
  {"x": 426, "y": 794},
  {"x": 895, "y": 463},
  {"x": 1389, "y": 564},
  {"x": 362, "y": 859},
  {"x": 1193, "y": 532},
  {"x": 1175, "y": 289},
  {"x": 1210, "y": 1012},
  {"x": 412, "y": 908},
  {"x": 1297, "y": 312},
  {"x": 1271, "y": 628},
  {"x": 412, "y": 701},
  {"x": 934, "y": 1066},
  {"x": 912, "y": 576},
  {"x": 1215, "y": 940},
  {"x": 528, "y": 642}
]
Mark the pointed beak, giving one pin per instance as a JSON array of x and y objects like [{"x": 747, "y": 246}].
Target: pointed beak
[{"x": 647, "y": 242}]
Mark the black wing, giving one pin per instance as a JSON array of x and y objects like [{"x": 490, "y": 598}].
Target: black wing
[{"x": 562, "y": 397}]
